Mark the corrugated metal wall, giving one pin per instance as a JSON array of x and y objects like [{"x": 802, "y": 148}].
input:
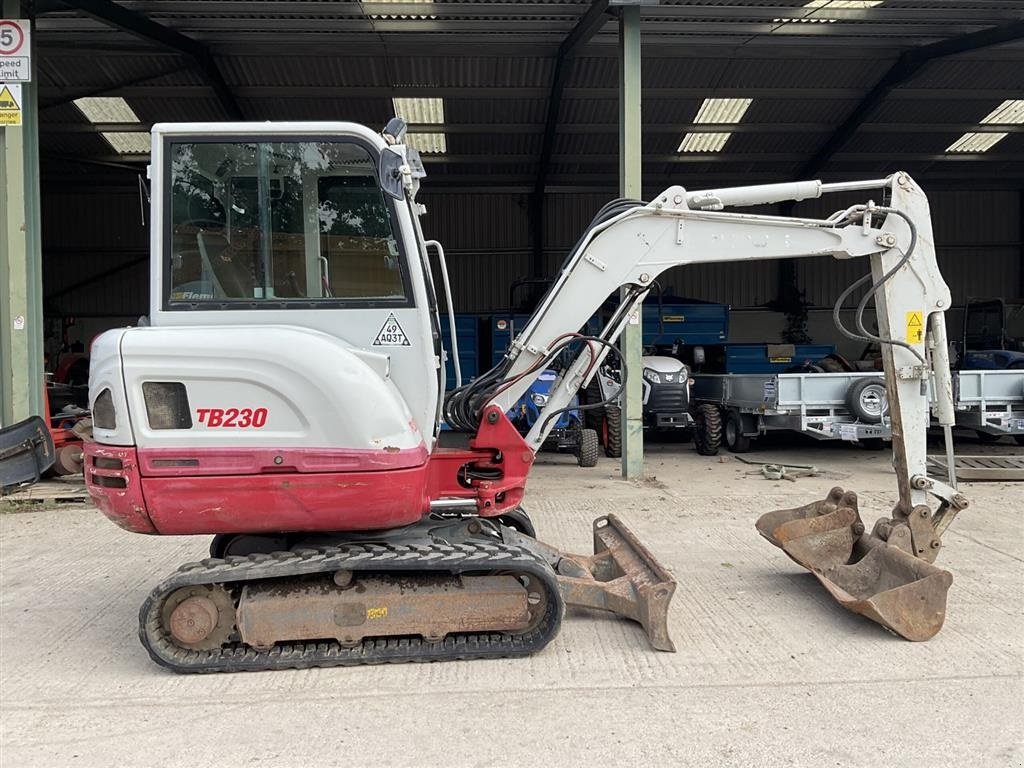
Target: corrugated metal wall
[
  {"x": 95, "y": 254},
  {"x": 95, "y": 248},
  {"x": 978, "y": 246}
]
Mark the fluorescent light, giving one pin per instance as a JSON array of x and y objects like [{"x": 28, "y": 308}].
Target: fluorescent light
[
  {"x": 128, "y": 143},
  {"x": 859, "y": 4},
  {"x": 715, "y": 111},
  {"x": 1010, "y": 111},
  {"x": 427, "y": 111},
  {"x": 106, "y": 109}
]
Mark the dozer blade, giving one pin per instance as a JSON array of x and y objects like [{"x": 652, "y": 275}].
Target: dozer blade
[
  {"x": 26, "y": 451},
  {"x": 622, "y": 576},
  {"x": 863, "y": 573}
]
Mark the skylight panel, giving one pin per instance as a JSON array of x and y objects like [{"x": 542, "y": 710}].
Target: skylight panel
[
  {"x": 1010, "y": 111},
  {"x": 106, "y": 109},
  {"x": 714, "y": 111},
  {"x": 372, "y": 3},
  {"x": 829, "y": 4},
  {"x": 99, "y": 110},
  {"x": 423, "y": 111},
  {"x": 128, "y": 142},
  {"x": 846, "y": 4}
]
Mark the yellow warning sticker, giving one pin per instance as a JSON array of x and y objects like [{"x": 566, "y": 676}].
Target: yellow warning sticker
[
  {"x": 10, "y": 104},
  {"x": 915, "y": 327}
]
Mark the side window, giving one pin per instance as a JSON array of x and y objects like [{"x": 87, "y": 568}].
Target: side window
[
  {"x": 360, "y": 255},
  {"x": 279, "y": 224}
]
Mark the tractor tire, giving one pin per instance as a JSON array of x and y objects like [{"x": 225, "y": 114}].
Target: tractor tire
[
  {"x": 70, "y": 460},
  {"x": 735, "y": 440},
  {"x": 707, "y": 433},
  {"x": 588, "y": 449},
  {"x": 592, "y": 417},
  {"x": 867, "y": 400},
  {"x": 519, "y": 521},
  {"x": 612, "y": 431}
]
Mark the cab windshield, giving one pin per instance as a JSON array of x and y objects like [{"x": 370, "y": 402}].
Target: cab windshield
[{"x": 280, "y": 223}]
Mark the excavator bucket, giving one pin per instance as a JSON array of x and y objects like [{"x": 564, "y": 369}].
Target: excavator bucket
[
  {"x": 866, "y": 575},
  {"x": 622, "y": 576}
]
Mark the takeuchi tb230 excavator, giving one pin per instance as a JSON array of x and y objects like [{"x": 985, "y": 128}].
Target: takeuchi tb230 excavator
[{"x": 285, "y": 395}]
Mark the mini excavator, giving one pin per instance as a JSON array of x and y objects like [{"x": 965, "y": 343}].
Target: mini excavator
[{"x": 285, "y": 395}]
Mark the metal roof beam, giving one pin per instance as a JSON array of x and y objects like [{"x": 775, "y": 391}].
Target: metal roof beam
[
  {"x": 503, "y": 129},
  {"x": 585, "y": 28},
  {"x": 909, "y": 64},
  {"x": 136, "y": 24},
  {"x": 530, "y": 92}
]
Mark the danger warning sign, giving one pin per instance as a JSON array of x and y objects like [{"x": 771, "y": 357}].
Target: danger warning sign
[
  {"x": 391, "y": 334},
  {"x": 10, "y": 104}
]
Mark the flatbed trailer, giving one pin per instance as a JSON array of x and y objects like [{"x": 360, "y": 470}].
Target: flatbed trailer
[
  {"x": 991, "y": 403},
  {"x": 840, "y": 406},
  {"x": 738, "y": 408}
]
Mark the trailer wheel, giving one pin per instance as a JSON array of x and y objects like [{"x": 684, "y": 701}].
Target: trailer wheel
[
  {"x": 611, "y": 429},
  {"x": 872, "y": 443},
  {"x": 987, "y": 437},
  {"x": 588, "y": 449},
  {"x": 1019, "y": 439},
  {"x": 592, "y": 417},
  {"x": 707, "y": 432},
  {"x": 735, "y": 440},
  {"x": 867, "y": 400}
]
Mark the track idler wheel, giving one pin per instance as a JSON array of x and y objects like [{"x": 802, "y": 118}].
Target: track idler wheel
[
  {"x": 876, "y": 578},
  {"x": 200, "y": 617}
]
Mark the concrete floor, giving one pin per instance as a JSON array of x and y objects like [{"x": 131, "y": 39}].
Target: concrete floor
[{"x": 769, "y": 672}]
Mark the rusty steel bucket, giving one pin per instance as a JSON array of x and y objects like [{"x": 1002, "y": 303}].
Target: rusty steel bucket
[{"x": 876, "y": 578}]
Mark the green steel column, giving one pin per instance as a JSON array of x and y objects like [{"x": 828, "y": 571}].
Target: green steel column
[
  {"x": 21, "y": 278},
  {"x": 630, "y": 158}
]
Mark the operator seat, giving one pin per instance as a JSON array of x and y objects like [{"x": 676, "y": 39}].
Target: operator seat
[{"x": 228, "y": 266}]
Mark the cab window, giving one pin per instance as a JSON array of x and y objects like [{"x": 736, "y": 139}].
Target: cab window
[{"x": 280, "y": 224}]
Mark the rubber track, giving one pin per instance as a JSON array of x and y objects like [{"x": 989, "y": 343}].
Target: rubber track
[{"x": 234, "y": 571}]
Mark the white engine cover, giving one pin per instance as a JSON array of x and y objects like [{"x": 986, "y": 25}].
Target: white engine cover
[{"x": 255, "y": 386}]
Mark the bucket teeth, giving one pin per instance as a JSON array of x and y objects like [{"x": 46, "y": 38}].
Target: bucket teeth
[{"x": 863, "y": 573}]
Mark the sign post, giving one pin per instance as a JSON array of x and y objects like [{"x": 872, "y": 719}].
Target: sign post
[{"x": 21, "y": 304}]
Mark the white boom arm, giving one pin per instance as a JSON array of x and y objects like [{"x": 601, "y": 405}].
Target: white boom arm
[{"x": 677, "y": 228}]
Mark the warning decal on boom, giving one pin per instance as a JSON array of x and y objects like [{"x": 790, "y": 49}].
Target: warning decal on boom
[
  {"x": 915, "y": 327},
  {"x": 391, "y": 334}
]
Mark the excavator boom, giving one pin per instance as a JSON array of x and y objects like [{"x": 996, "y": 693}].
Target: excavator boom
[{"x": 885, "y": 574}]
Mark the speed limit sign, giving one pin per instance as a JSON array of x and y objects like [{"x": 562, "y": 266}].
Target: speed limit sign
[{"x": 15, "y": 50}]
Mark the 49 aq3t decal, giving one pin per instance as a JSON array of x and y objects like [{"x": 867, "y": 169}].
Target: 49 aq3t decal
[{"x": 232, "y": 417}]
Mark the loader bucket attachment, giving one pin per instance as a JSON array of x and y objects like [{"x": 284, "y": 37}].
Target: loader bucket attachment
[
  {"x": 864, "y": 574},
  {"x": 623, "y": 577}
]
